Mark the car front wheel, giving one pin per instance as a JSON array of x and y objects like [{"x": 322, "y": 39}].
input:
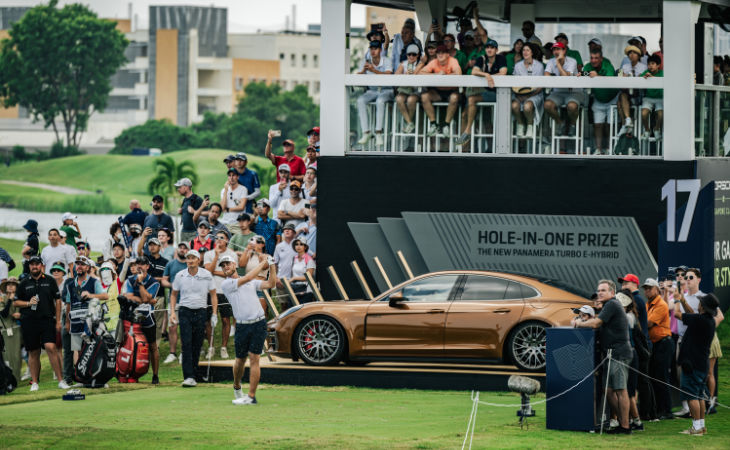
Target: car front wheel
[
  {"x": 527, "y": 346},
  {"x": 319, "y": 341}
]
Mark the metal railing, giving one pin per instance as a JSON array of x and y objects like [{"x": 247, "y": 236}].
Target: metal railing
[{"x": 712, "y": 120}]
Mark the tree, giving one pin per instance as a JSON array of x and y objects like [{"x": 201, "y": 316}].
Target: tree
[
  {"x": 167, "y": 174},
  {"x": 58, "y": 64},
  {"x": 161, "y": 134}
]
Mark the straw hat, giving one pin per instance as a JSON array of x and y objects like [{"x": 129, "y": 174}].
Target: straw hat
[{"x": 7, "y": 281}]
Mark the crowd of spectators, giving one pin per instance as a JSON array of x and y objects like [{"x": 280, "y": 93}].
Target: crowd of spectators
[
  {"x": 477, "y": 54},
  {"x": 145, "y": 267},
  {"x": 660, "y": 335}
]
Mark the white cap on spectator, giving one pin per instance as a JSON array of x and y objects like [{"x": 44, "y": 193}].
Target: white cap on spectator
[
  {"x": 192, "y": 253},
  {"x": 413, "y": 48},
  {"x": 225, "y": 259},
  {"x": 585, "y": 309},
  {"x": 67, "y": 216},
  {"x": 284, "y": 166},
  {"x": 184, "y": 182},
  {"x": 650, "y": 282},
  {"x": 596, "y": 41}
]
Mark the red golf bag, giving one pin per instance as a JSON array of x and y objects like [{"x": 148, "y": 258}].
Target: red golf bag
[{"x": 133, "y": 357}]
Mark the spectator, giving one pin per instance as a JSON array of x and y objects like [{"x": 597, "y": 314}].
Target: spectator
[
  {"x": 527, "y": 102},
  {"x": 118, "y": 257},
  {"x": 213, "y": 213},
  {"x": 250, "y": 324},
  {"x": 57, "y": 251},
  {"x": 9, "y": 329},
  {"x": 450, "y": 43},
  {"x": 311, "y": 159},
  {"x": 584, "y": 313},
  {"x": 192, "y": 286},
  {"x": 630, "y": 308},
  {"x": 7, "y": 259},
  {"x": 115, "y": 237},
  {"x": 309, "y": 187},
  {"x": 690, "y": 281},
  {"x": 135, "y": 233},
  {"x": 204, "y": 238},
  {"x": 31, "y": 247},
  {"x": 239, "y": 241},
  {"x": 596, "y": 44},
  {"x": 234, "y": 198},
  {"x": 486, "y": 66},
  {"x": 83, "y": 249},
  {"x": 660, "y": 335},
  {"x": 430, "y": 53},
  {"x": 401, "y": 41},
  {"x": 213, "y": 265},
  {"x": 191, "y": 202},
  {"x": 248, "y": 179},
  {"x": 660, "y": 53},
  {"x": 481, "y": 36},
  {"x": 157, "y": 271},
  {"x": 266, "y": 227},
  {"x": 302, "y": 263},
  {"x": 407, "y": 98},
  {"x": 291, "y": 210},
  {"x": 253, "y": 256},
  {"x": 653, "y": 100},
  {"x": 158, "y": 219},
  {"x": 313, "y": 140},
  {"x": 563, "y": 39},
  {"x": 280, "y": 192},
  {"x": 514, "y": 55},
  {"x": 472, "y": 50},
  {"x": 528, "y": 32},
  {"x": 284, "y": 253},
  {"x": 718, "y": 77},
  {"x": 40, "y": 319},
  {"x": 71, "y": 228},
  {"x": 633, "y": 68},
  {"x": 135, "y": 215},
  {"x": 167, "y": 246},
  {"x": 142, "y": 290},
  {"x": 228, "y": 160},
  {"x": 173, "y": 267},
  {"x": 614, "y": 336},
  {"x": 442, "y": 65},
  {"x": 694, "y": 354},
  {"x": 295, "y": 163},
  {"x": 376, "y": 65},
  {"x": 562, "y": 65},
  {"x": 602, "y": 100},
  {"x": 640, "y": 44},
  {"x": 308, "y": 230},
  {"x": 465, "y": 26}
]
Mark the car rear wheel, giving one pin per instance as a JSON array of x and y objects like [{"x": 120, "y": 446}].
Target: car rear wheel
[
  {"x": 319, "y": 341},
  {"x": 526, "y": 346}
]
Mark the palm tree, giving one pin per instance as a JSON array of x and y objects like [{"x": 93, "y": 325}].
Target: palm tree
[{"x": 167, "y": 174}]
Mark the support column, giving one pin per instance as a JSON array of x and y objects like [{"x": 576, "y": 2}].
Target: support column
[
  {"x": 334, "y": 117},
  {"x": 679, "y": 49},
  {"x": 519, "y": 12}
]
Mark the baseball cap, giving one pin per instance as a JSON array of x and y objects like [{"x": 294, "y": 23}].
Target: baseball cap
[
  {"x": 242, "y": 156},
  {"x": 596, "y": 41},
  {"x": 58, "y": 266},
  {"x": 585, "y": 309},
  {"x": 143, "y": 260},
  {"x": 288, "y": 142},
  {"x": 413, "y": 48},
  {"x": 650, "y": 282},
  {"x": 558, "y": 45},
  {"x": 289, "y": 226},
  {"x": 635, "y": 38},
  {"x": 204, "y": 223},
  {"x": 135, "y": 225},
  {"x": 296, "y": 183},
  {"x": 469, "y": 33},
  {"x": 83, "y": 260},
  {"x": 561, "y": 35},
  {"x": 184, "y": 244},
  {"x": 35, "y": 259},
  {"x": 184, "y": 182},
  {"x": 229, "y": 158},
  {"x": 263, "y": 201},
  {"x": 158, "y": 198},
  {"x": 68, "y": 215},
  {"x": 226, "y": 259},
  {"x": 231, "y": 170},
  {"x": 192, "y": 253},
  {"x": 491, "y": 43},
  {"x": 284, "y": 166},
  {"x": 154, "y": 241},
  {"x": 375, "y": 44},
  {"x": 108, "y": 265},
  {"x": 630, "y": 277},
  {"x": 315, "y": 130}
]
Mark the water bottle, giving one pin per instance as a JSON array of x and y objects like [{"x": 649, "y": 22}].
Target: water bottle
[{"x": 33, "y": 307}]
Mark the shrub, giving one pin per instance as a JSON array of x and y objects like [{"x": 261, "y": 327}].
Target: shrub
[{"x": 160, "y": 134}]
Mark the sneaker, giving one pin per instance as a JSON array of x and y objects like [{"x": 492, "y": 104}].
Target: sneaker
[
  {"x": 237, "y": 393},
  {"x": 637, "y": 426},
  {"x": 170, "y": 358},
  {"x": 619, "y": 430},
  {"x": 645, "y": 135},
  {"x": 446, "y": 130},
  {"x": 432, "y": 130},
  {"x": 379, "y": 140},
  {"x": 613, "y": 423},
  {"x": 520, "y": 130},
  {"x": 63, "y": 385},
  {"x": 365, "y": 138},
  {"x": 409, "y": 128},
  {"x": 693, "y": 432},
  {"x": 155, "y": 379},
  {"x": 210, "y": 354},
  {"x": 559, "y": 128},
  {"x": 245, "y": 400},
  {"x": 529, "y": 131},
  {"x": 712, "y": 410},
  {"x": 26, "y": 375},
  {"x": 179, "y": 359},
  {"x": 571, "y": 130},
  {"x": 189, "y": 382},
  {"x": 463, "y": 139},
  {"x": 625, "y": 128},
  {"x": 34, "y": 387},
  {"x": 598, "y": 151},
  {"x": 658, "y": 135},
  {"x": 224, "y": 353},
  {"x": 670, "y": 416},
  {"x": 683, "y": 413}
]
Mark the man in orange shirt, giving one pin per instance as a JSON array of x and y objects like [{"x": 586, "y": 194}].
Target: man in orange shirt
[
  {"x": 442, "y": 65},
  {"x": 663, "y": 347}
]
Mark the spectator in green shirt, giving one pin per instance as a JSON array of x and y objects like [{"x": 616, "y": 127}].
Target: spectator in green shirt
[
  {"x": 473, "y": 48},
  {"x": 71, "y": 228},
  {"x": 514, "y": 55},
  {"x": 450, "y": 43},
  {"x": 562, "y": 37},
  {"x": 602, "y": 98},
  {"x": 653, "y": 100}
]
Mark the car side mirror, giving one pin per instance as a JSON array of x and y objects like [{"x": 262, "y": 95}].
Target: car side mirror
[{"x": 396, "y": 299}]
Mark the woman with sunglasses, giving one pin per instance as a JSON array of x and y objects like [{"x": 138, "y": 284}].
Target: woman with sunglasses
[
  {"x": 167, "y": 250},
  {"x": 407, "y": 97},
  {"x": 309, "y": 188},
  {"x": 303, "y": 263}
]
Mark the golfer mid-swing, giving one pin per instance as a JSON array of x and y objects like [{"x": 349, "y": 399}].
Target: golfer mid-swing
[{"x": 250, "y": 322}]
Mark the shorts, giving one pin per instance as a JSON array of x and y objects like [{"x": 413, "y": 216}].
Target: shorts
[
  {"x": 150, "y": 333},
  {"x": 562, "y": 98},
  {"x": 224, "y": 306},
  {"x": 693, "y": 385},
  {"x": 536, "y": 101},
  {"x": 601, "y": 110},
  {"x": 250, "y": 338},
  {"x": 657, "y": 104},
  {"x": 444, "y": 94},
  {"x": 715, "y": 349},
  {"x": 37, "y": 332},
  {"x": 619, "y": 374},
  {"x": 76, "y": 341}
]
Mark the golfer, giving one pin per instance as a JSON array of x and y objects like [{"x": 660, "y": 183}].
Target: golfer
[{"x": 250, "y": 322}]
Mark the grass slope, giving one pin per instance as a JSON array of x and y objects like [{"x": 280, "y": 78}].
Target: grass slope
[{"x": 120, "y": 177}]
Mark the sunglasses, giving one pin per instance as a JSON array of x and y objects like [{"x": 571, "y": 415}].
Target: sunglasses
[
  {"x": 410, "y": 54},
  {"x": 202, "y": 226},
  {"x": 296, "y": 244},
  {"x": 294, "y": 189},
  {"x": 690, "y": 277},
  {"x": 448, "y": 40},
  {"x": 283, "y": 171}
]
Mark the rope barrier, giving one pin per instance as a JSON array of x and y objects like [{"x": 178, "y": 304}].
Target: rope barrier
[{"x": 472, "y": 420}]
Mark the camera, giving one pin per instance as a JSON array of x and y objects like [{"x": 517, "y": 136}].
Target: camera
[
  {"x": 671, "y": 273},
  {"x": 206, "y": 196}
]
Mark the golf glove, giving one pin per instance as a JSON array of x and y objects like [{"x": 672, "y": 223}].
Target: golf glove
[{"x": 213, "y": 321}]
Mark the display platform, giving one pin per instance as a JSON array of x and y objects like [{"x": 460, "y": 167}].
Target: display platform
[{"x": 394, "y": 375}]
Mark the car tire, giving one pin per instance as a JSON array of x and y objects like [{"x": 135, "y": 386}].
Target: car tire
[
  {"x": 526, "y": 346},
  {"x": 319, "y": 341}
]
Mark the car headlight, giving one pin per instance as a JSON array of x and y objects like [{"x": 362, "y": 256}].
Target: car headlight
[{"x": 290, "y": 311}]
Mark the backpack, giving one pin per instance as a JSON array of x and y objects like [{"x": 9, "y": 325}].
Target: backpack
[
  {"x": 133, "y": 357},
  {"x": 97, "y": 360}
]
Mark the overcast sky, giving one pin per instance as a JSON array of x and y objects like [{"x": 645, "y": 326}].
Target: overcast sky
[{"x": 243, "y": 15}]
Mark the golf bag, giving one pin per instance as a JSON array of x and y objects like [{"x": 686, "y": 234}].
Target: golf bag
[
  {"x": 97, "y": 359},
  {"x": 133, "y": 357}
]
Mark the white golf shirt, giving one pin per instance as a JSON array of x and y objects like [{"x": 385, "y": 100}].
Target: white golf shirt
[
  {"x": 193, "y": 289},
  {"x": 243, "y": 299}
]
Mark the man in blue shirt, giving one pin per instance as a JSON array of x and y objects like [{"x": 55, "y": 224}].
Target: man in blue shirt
[
  {"x": 265, "y": 226},
  {"x": 168, "y": 276},
  {"x": 248, "y": 179},
  {"x": 135, "y": 215}
]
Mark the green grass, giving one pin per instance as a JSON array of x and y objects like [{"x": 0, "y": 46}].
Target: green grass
[
  {"x": 119, "y": 177},
  {"x": 42, "y": 200}
]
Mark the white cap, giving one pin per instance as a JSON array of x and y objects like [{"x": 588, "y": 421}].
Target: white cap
[
  {"x": 107, "y": 265},
  {"x": 413, "y": 48},
  {"x": 192, "y": 253},
  {"x": 596, "y": 41},
  {"x": 184, "y": 182},
  {"x": 67, "y": 216},
  {"x": 650, "y": 282},
  {"x": 225, "y": 259},
  {"x": 284, "y": 166},
  {"x": 585, "y": 309}
]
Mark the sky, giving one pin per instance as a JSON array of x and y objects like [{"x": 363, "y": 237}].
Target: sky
[{"x": 244, "y": 16}]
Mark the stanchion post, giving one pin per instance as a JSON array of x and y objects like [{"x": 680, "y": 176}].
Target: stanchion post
[
  {"x": 313, "y": 285},
  {"x": 605, "y": 390},
  {"x": 270, "y": 301},
  {"x": 361, "y": 279},
  {"x": 290, "y": 291},
  {"x": 338, "y": 284},
  {"x": 404, "y": 264},
  {"x": 382, "y": 272}
]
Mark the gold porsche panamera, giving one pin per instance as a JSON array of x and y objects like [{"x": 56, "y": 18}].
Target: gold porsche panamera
[{"x": 441, "y": 316}]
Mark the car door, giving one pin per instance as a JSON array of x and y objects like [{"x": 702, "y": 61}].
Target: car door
[
  {"x": 414, "y": 327},
  {"x": 483, "y": 311}
]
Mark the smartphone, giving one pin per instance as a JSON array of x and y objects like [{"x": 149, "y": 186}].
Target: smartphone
[
  {"x": 674, "y": 284},
  {"x": 277, "y": 133},
  {"x": 206, "y": 196},
  {"x": 435, "y": 21},
  {"x": 307, "y": 205}
]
